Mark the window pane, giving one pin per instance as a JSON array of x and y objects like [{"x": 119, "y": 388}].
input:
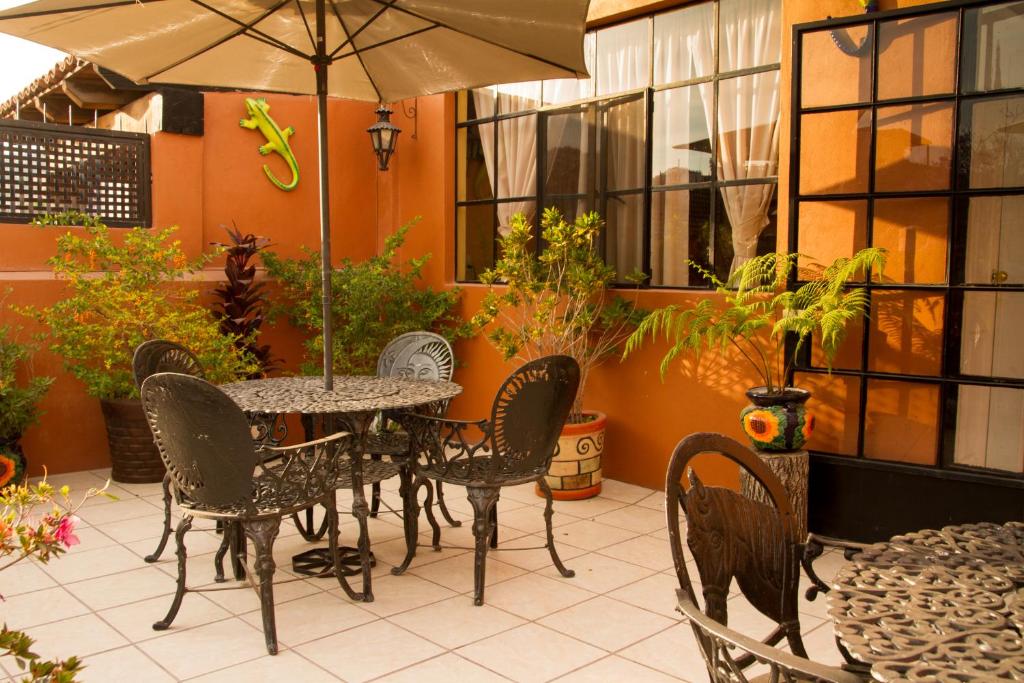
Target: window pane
[
  {"x": 831, "y": 76},
  {"x": 568, "y": 89},
  {"x": 994, "y": 43},
  {"x": 750, "y": 34},
  {"x": 836, "y": 412},
  {"x": 834, "y": 152},
  {"x": 914, "y": 147},
  {"x": 681, "y": 144},
  {"x": 483, "y": 102},
  {"x": 508, "y": 209},
  {"x": 517, "y": 156},
  {"x": 748, "y": 126},
  {"x": 995, "y": 241},
  {"x": 571, "y": 207},
  {"x": 624, "y": 156},
  {"x": 684, "y": 44},
  {"x": 914, "y": 231},
  {"x": 570, "y": 151},
  {"x": 917, "y": 56},
  {"x": 624, "y": 233},
  {"x": 996, "y": 131},
  {"x": 993, "y": 325},
  {"x": 746, "y": 221},
  {"x": 680, "y": 224},
  {"x": 516, "y": 97},
  {"x": 623, "y": 57},
  {"x": 475, "y": 234},
  {"x": 830, "y": 230},
  {"x": 848, "y": 355},
  {"x": 474, "y": 182},
  {"x": 990, "y": 428},
  {"x": 901, "y": 423},
  {"x": 906, "y": 332}
]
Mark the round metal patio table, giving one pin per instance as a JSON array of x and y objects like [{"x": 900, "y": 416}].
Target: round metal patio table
[
  {"x": 944, "y": 605},
  {"x": 353, "y": 403}
]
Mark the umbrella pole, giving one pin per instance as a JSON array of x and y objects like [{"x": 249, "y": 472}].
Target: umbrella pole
[{"x": 320, "y": 65}]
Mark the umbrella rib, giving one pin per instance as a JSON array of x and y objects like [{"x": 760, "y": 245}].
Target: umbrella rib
[
  {"x": 69, "y": 10},
  {"x": 442, "y": 24},
  {"x": 349, "y": 37},
  {"x": 309, "y": 32},
  {"x": 243, "y": 30}
]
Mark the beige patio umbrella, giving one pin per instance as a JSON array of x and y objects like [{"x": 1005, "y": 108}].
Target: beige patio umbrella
[{"x": 371, "y": 50}]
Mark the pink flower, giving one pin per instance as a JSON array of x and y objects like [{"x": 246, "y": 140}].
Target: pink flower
[{"x": 65, "y": 531}]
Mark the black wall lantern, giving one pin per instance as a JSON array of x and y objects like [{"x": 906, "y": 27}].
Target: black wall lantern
[{"x": 383, "y": 135}]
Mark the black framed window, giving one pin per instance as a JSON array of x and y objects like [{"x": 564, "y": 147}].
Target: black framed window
[
  {"x": 674, "y": 140},
  {"x": 908, "y": 132}
]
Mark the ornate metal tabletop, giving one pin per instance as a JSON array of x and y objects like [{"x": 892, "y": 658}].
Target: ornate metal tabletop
[
  {"x": 351, "y": 394},
  {"x": 936, "y": 605}
]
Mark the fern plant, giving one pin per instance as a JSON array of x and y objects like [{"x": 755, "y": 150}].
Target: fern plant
[{"x": 759, "y": 311}]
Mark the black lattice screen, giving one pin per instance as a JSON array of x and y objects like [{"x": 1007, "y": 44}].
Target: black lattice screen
[{"x": 47, "y": 169}]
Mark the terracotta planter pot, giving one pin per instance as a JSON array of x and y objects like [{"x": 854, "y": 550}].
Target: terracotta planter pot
[
  {"x": 12, "y": 461},
  {"x": 777, "y": 422},
  {"x": 134, "y": 458},
  {"x": 575, "y": 471}
]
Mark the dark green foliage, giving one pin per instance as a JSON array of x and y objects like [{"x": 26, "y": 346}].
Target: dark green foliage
[
  {"x": 19, "y": 646},
  {"x": 18, "y": 401}
]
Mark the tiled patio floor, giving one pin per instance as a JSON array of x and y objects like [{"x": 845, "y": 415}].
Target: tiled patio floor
[{"x": 613, "y": 622}]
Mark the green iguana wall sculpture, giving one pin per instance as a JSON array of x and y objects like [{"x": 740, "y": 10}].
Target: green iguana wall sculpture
[{"x": 277, "y": 139}]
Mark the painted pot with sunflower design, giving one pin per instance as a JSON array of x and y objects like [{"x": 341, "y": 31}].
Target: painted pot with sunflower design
[
  {"x": 777, "y": 421},
  {"x": 12, "y": 462}
]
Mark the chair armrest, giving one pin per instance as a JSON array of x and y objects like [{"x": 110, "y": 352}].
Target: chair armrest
[
  {"x": 303, "y": 473},
  {"x": 726, "y": 639},
  {"x": 813, "y": 548},
  {"x": 278, "y": 451},
  {"x": 443, "y": 441}
]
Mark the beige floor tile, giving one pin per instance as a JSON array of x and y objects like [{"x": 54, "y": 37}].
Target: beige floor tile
[
  {"x": 638, "y": 519},
  {"x": 394, "y": 594},
  {"x": 623, "y": 492},
  {"x": 285, "y": 666},
  {"x": 444, "y": 669},
  {"x": 244, "y": 599},
  {"x": 821, "y": 644},
  {"x": 589, "y": 508},
  {"x": 141, "y": 490},
  {"x": 207, "y": 648},
  {"x": 524, "y": 493},
  {"x": 530, "y": 519},
  {"x": 89, "y": 564},
  {"x": 457, "y": 573},
  {"x": 531, "y": 653},
  {"x": 197, "y": 542},
  {"x": 533, "y": 596},
  {"x": 456, "y": 622},
  {"x": 135, "y": 620},
  {"x": 114, "y": 493},
  {"x": 199, "y": 569},
  {"x": 393, "y": 552},
  {"x": 537, "y": 557},
  {"x": 368, "y": 652},
  {"x": 78, "y": 482},
  {"x": 40, "y": 607},
  {"x": 645, "y": 551},
  {"x": 312, "y": 617},
  {"x": 24, "y": 577},
  {"x": 656, "y": 593},
  {"x": 672, "y": 651},
  {"x": 605, "y": 623},
  {"x": 90, "y": 538},
  {"x": 600, "y": 574},
  {"x": 591, "y": 535},
  {"x": 655, "y": 501},
  {"x": 138, "y": 528},
  {"x": 118, "y": 589},
  {"x": 81, "y": 636},
  {"x": 615, "y": 668},
  {"x": 123, "y": 664},
  {"x": 462, "y": 536},
  {"x": 117, "y": 511}
]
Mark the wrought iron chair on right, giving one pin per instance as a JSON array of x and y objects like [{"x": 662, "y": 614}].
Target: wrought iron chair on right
[
  {"x": 733, "y": 537},
  {"x": 513, "y": 447}
]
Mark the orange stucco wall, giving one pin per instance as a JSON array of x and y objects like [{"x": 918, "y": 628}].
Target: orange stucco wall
[{"x": 201, "y": 183}]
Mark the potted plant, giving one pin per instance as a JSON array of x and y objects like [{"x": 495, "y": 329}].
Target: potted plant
[
  {"x": 18, "y": 404},
  {"x": 120, "y": 292},
  {"x": 754, "y": 314},
  {"x": 558, "y": 301}
]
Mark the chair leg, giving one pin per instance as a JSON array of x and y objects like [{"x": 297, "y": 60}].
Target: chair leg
[
  {"x": 428, "y": 507},
  {"x": 332, "y": 548},
  {"x": 494, "y": 526},
  {"x": 549, "y": 511},
  {"x": 262, "y": 533},
  {"x": 179, "y": 539},
  {"x": 410, "y": 515},
  {"x": 167, "y": 521},
  {"x": 226, "y": 544},
  {"x": 361, "y": 510},
  {"x": 444, "y": 508},
  {"x": 238, "y": 552},
  {"x": 483, "y": 501},
  {"x": 309, "y": 531},
  {"x": 375, "y": 491}
]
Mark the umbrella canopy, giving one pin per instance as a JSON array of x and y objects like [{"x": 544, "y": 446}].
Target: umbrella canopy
[{"x": 372, "y": 50}]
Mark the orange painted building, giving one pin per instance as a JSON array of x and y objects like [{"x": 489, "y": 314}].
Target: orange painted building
[{"x": 884, "y": 426}]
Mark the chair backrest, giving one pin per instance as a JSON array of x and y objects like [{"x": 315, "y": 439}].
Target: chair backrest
[
  {"x": 203, "y": 438},
  {"x": 417, "y": 355},
  {"x": 528, "y": 414},
  {"x": 160, "y": 355},
  {"x": 723, "y": 649},
  {"x": 733, "y": 537}
]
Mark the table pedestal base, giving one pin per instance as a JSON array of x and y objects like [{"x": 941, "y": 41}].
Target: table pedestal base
[{"x": 318, "y": 560}]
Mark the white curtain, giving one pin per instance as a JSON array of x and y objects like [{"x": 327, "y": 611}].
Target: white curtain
[{"x": 748, "y": 117}]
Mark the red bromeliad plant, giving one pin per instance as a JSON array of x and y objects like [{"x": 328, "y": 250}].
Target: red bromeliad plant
[{"x": 242, "y": 299}]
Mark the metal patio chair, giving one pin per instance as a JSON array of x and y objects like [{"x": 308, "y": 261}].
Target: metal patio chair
[
  {"x": 513, "y": 447},
  {"x": 733, "y": 537},
  {"x": 218, "y": 473}
]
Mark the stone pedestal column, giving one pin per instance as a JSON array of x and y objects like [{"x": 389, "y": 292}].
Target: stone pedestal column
[{"x": 791, "y": 469}]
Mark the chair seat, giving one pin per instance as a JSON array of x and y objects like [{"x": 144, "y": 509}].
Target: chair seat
[
  {"x": 475, "y": 473},
  {"x": 374, "y": 471},
  {"x": 387, "y": 443}
]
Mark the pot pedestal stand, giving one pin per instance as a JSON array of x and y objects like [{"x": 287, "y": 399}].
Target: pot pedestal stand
[{"x": 791, "y": 468}]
